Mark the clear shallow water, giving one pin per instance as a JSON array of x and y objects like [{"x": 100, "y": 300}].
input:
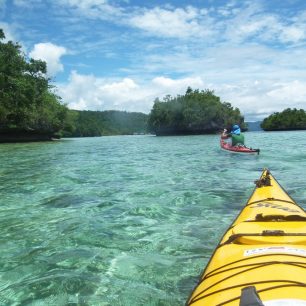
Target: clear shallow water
[{"x": 126, "y": 220}]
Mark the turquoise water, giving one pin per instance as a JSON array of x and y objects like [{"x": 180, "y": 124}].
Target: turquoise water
[{"x": 126, "y": 220}]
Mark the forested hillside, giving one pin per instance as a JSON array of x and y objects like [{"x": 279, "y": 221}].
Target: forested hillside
[{"x": 102, "y": 123}]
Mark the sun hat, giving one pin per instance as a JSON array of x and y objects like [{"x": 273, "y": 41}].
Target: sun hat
[{"x": 236, "y": 129}]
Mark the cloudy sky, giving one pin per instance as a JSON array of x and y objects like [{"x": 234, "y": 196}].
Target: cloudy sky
[{"x": 122, "y": 54}]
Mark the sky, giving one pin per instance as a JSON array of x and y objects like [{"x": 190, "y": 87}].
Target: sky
[{"x": 123, "y": 54}]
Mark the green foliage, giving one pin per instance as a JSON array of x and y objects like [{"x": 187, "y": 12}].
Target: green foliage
[
  {"x": 196, "y": 112},
  {"x": 289, "y": 119},
  {"x": 27, "y": 103},
  {"x": 102, "y": 123},
  {"x": 26, "y": 99}
]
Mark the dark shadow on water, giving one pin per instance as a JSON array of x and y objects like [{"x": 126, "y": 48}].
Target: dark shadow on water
[{"x": 64, "y": 201}]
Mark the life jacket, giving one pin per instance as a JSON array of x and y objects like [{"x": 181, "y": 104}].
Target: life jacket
[{"x": 237, "y": 139}]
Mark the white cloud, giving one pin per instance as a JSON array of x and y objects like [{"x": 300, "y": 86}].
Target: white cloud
[
  {"x": 51, "y": 54},
  {"x": 92, "y": 93},
  {"x": 252, "y": 21},
  {"x": 234, "y": 21},
  {"x": 179, "y": 86},
  {"x": 292, "y": 92},
  {"x": 179, "y": 22},
  {"x": 259, "y": 99},
  {"x": 98, "y": 9},
  {"x": 256, "y": 98},
  {"x": 292, "y": 34}
]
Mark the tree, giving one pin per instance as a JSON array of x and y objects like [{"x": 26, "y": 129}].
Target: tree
[
  {"x": 288, "y": 119},
  {"x": 101, "y": 123},
  {"x": 26, "y": 98},
  {"x": 196, "y": 112}
]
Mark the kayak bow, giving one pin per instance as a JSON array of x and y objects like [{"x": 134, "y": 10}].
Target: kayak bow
[
  {"x": 261, "y": 258},
  {"x": 237, "y": 149}
]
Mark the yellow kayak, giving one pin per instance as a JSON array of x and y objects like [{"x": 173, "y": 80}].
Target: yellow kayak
[{"x": 261, "y": 259}]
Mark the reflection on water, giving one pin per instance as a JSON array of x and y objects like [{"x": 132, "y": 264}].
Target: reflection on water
[{"x": 125, "y": 220}]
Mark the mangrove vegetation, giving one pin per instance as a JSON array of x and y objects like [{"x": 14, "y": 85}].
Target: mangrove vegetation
[
  {"x": 28, "y": 106},
  {"x": 196, "y": 112},
  {"x": 289, "y": 119},
  {"x": 103, "y": 123}
]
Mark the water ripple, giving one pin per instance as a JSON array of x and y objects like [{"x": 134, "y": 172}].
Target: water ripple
[{"x": 125, "y": 220}]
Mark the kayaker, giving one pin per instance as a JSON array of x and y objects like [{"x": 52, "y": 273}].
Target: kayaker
[{"x": 235, "y": 134}]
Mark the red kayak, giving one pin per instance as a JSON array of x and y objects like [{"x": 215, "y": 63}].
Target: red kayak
[{"x": 237, "y": 149}]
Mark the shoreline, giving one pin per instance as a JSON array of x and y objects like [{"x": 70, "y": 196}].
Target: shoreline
[{"x": 17, "y": 136}]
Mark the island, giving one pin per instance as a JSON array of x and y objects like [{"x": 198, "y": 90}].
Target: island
[
  {"x": 195, "y": 112},
  {"x": 287, "y": 120}
]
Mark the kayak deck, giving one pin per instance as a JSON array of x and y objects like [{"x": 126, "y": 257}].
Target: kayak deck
[{"x": 261, "y": 256}]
